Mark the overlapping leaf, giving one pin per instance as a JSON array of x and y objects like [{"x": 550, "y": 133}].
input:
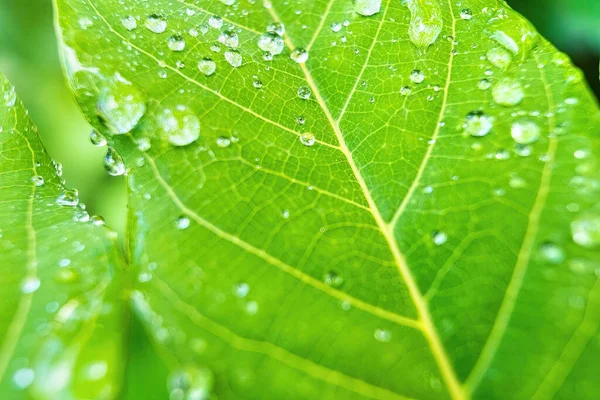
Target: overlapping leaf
[
  {"x": 61, "y": 319},
  {"x": 411, "y": 213}
]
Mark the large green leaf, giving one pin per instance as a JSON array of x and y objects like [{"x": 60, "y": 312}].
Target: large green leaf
[
  {"x": 423, "y": 225},
  {"x": 61, "y": 318}
]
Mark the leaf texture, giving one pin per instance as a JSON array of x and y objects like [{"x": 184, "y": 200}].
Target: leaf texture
[
  {"x": 401, "y": 216},
  {"x": 61, "y": 314}
]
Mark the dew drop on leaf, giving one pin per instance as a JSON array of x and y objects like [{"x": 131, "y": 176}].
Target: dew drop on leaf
[
  {"x": 182, "y": 223},
  {"x": 304, "y": 92},
  {"x": 271, "y": 42},
  {"x": 478, "y": 124},
  {"x": 190, "y": 383},
  {"x": 180, "y": 125},
  {"x": 215, "y": 22},
  {"x": 417, "y": 76},
  {"x": 113, "y": 163},
  {"x": 382, "y": 335},
  {"x": 333, "y": 279},
  {"x": 176, "y": 43},
  {"x": 120, "y": 105},
  {"x": 307, "y": 139},
  {"x": 508, "y": 92},
  {"x": 229, "y": 39},
  {"x": 525, "y": 132},
  {"x": 30, "y": 284},
  {"x": 207, "y": 66},
  {"x": 367, "y": 7},
  {"x": 551, "y": 253},
  {"x": 439, "y": 238},
  {"x": 425, "y": 22},
  {"x": 37, "y": 180},
  {"x": 299, "y": 55},
  {"x": 499, "y": 57},
  {"x": 223, "y": 141},
  {"x": 585, "y": 229},
  {"x": 68, "y": 198},
  {"x": 156, "y": 23},
  {"x": 129, "y": 23},
  {"x": 234, "y": 58},
  {"x": 97, "y": 139},
  {"x": 23, "y": 378},
  {"x": 466, "y": 14},
  {"x": 276, "y": 27},
  {"x": 484, "y": 84}
]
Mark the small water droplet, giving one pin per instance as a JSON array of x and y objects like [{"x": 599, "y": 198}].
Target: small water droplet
[
  {"x": 97, "y": 138},
  {"x": 508, "y": 92},
  {"x": 304, "y": 92},
  {"x": 37, "y": 180},
  {"x": 241, "y": 290},
  {"x": 484, "y": 84},
  {"x": 223, "y": 141},
  {"x": 499, "y": 57},
  {"x": 551, "y": 253},
  {"x": 367, "y": 7},
  {"x": 182, "y": 223},
  {"x": 30, "y": 284},
  {"x": 439, "y": 238},
  {"x": 585, "y": 229},
  {"x": 299, "y": 55},
  {"x": 466, "y": 14},
  {"x": 113, "y": 163},
  {"x": 215, "y": 22},
  {"x": 229, "y": 39},
  {"x": 190, "y": 383},
  {"x": 121, "y": 105},
  {"x": 307, "y": 139},
  {"x": 180, "y": 125},
  {"x": 336, "y": 27},
  {"x": 417, "y": 76},
  {"x": 68, "y": 198},
  {"x": 333, "y": 279},
  {"x": 425, "y": 22},
  {"x": 382, "y": 335},
  {"x": 276, "y": 27},
  {"x": 129, "y": 23}
]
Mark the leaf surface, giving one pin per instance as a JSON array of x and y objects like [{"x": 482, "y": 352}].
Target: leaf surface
[
  {"x": 61, "y": 318},
  {"x": 412, "y": 213}
]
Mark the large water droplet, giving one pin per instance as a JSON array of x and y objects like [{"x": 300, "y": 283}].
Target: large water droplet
[
  {"x": 234, "y": 58},
  {"x": 180, "y": 125},
  {"x": 425, "y": 22},
  {"x": 514, "y": 34},
  {"x": 121, "y": 105},
  {"x": 525, "y": 132}
]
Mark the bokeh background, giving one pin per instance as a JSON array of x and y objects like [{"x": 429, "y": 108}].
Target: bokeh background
[{"x": 29, "y": 57}]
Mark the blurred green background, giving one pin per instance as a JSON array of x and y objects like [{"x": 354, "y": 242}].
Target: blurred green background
[{"x": 28, "y": 55}]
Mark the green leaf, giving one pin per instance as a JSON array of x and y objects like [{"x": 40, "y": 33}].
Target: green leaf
[
  {"x": 412, "y": 213},
  {"x": 61, "y": 316}
]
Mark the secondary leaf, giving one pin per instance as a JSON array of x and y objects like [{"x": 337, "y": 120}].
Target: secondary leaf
[
  {"x": 61, "y": 319},
  {"x": 394, "y": 206}
]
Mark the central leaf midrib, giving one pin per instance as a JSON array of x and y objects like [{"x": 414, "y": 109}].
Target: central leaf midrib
[{"x": 428, "y": 328}]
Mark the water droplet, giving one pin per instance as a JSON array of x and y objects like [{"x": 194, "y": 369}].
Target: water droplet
[
  {"x": 182, "y": 223},
  {"x": 30, "y": 284},
  {"x": 499, "y": 57},
  {"x": 23, "y": 378},
  {"x": 515, "y": 35},
  {"x": 333, "y": 279},
  {"x": 156, "y": 23},
  {"x": 585, "y": 229},
  {"x": 417, "y": 76},
  {"x": 143, "y": 144},
  {"x": 207, "y": 66},
  {"x": 229, "y": 39},
  {"x": 215, "y": 22},
  {"x": 484, "y": 84},
  {"x": 405, "y": 91},
  {"x": 300, "y": 120},
  {"x": 37, "y": 180},
  {"x": 508, "y": 92},
  {"x": 190, "y": 383},
  {"x": 525, "y": 132},
  {"x": 425, "y": 22},
  {"x": 307, "y": 139},
  {"x": 551, "y": 253},
  {"x": 129, "y": 23},
  {"x": 97, "y": 220},
  {"x": 478, "y": 124},
  {"x": 382, "y": 335},
  {"x": 234, "y": 58},
  {"x": 241, "y": 290},
  {"x": 180, "y": 125},
  {"x": 336, "y": 27},
  {"x": 439, "y": 238},
  {"x": 304, "y": 92},
  {"x": 97, "y": 138},
  {"x": 68, "y": 198},
  {"x": 276, "y": 27},
  {"x": 367, "y": 7},
  {"x": 251, "y": 307},
  {"x": 113, "y": 163},
  {"x": 176, "y": 43},
  {"x": 466, "y": 14},
  {"x": 271, "y": 42},
  {"x": 121, "y": 105},
  {"x": 299, "y": 55},
  {"x": 10, "y": 97},
  {"x": 223, "y": 141}
]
